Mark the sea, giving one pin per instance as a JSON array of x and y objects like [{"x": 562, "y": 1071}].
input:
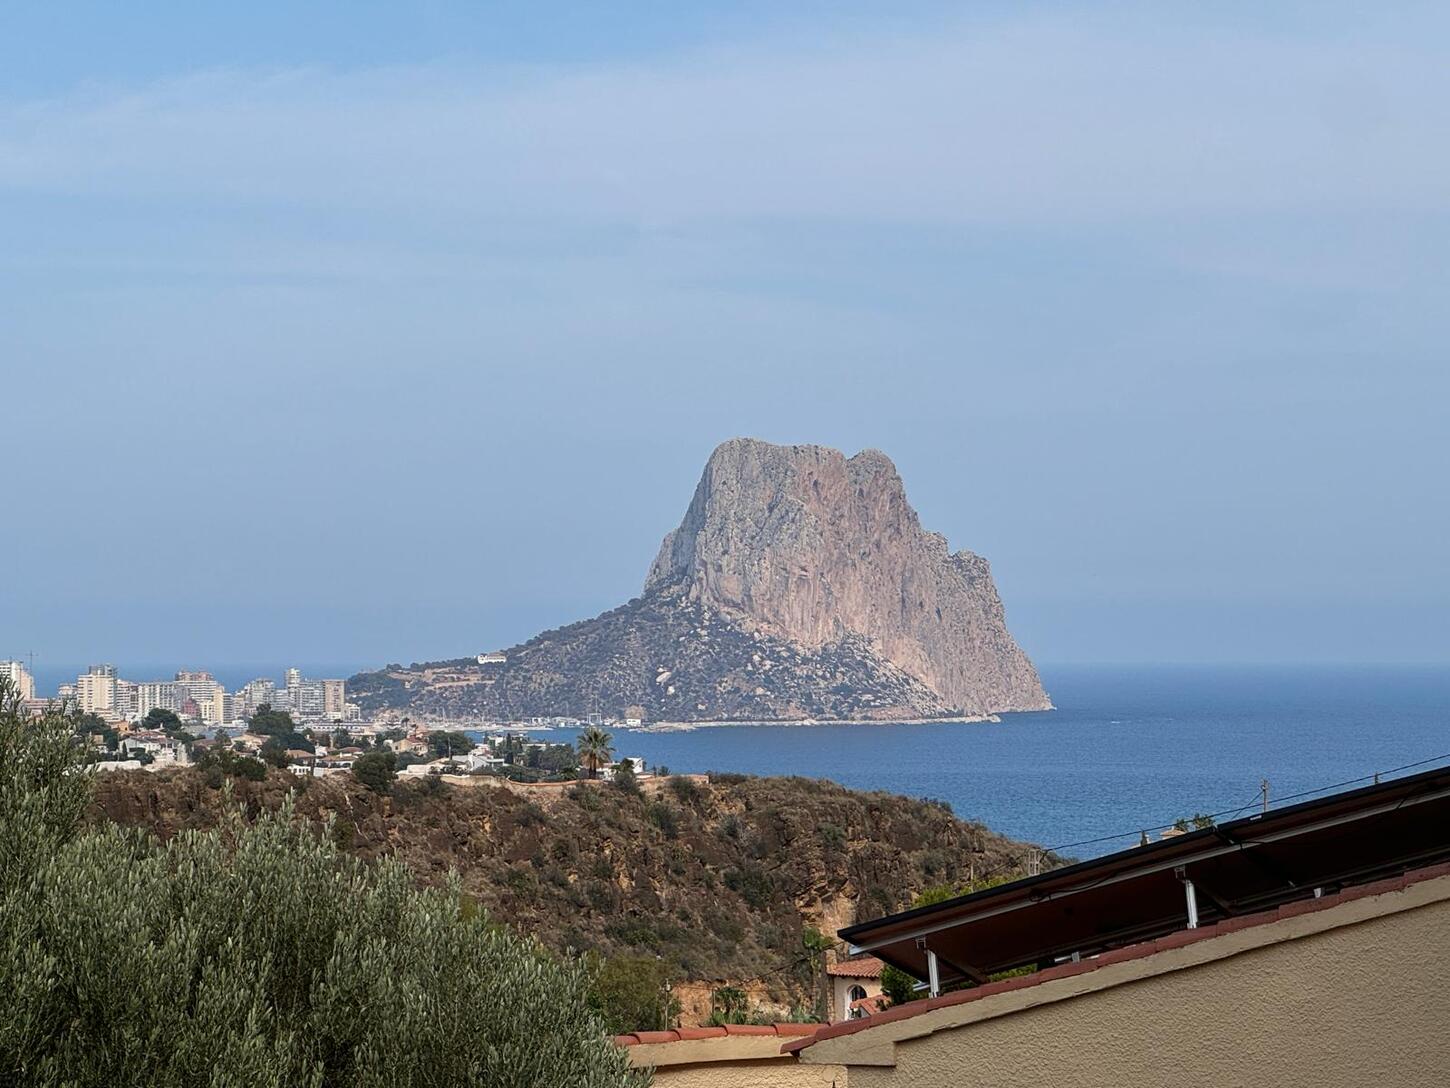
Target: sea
[{"x": 1128, "y": 749}]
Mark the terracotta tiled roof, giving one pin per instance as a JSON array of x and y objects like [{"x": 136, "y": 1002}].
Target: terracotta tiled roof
[
  {"x": 676, "y": 1035},
  {"x": 860, "y": 967},
  {"x": 871, "y": 1005},
  {"x": 1141, "y": 950}
]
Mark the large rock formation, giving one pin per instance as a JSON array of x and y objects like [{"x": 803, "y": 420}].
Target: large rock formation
[
  {"x": 811, "y": 547},
  {"x": 800, "y": 584}
]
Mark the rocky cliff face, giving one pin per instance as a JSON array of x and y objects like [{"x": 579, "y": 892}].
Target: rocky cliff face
[
  {"x": 800, "y": 585},
  {"x": 811, "y": 547}
]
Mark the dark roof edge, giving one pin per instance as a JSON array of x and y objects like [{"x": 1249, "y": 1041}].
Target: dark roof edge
[
  {"x": 1136, "y": 951},
  {"x": 1153, "y": 854}
]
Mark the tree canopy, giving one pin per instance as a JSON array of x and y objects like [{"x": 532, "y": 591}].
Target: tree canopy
[
  {"x": 376, "y": 770},
  {"x": 633, "y": 994},
  {"x": 158, "y": 717},
  {"x": 266, "y": 722},
  {"x": 442, "y": 742},
  {"x": 282, "y": 733},
  {"x": 255, "y": 954},
  {"x": 594, "y": 749},
  {"x": 554, "y": 758}
]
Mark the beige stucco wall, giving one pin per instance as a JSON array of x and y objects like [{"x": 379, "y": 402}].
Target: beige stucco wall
[
  {"x": 736, "y": 1061},
  {"x": 841, "y": 993},
  {"x": 1364, "y": 1004},
  {"x": 751, "y": 1074}
]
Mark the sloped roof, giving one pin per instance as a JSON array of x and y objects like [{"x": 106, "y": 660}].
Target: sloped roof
[
  {"x": 676, "y": 1035},
  {"x": 1238, "y": 868},
  {"x": 1141, "y": 950},
  {"x": 856, "y": 967}
]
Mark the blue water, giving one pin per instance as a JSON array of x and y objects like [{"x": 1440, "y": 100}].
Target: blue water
[{"x": 1126, "y": 749}]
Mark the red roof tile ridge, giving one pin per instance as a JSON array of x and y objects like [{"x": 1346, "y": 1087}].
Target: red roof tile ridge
[
  {"x": 676, "y": 1035},
  {"x": 700, "y": 1033},
  {"x": 859, "y": 967},
  {"x": 670, "y": 1036},
  {"x": 1178, "y": 939},
  {"x": 797, "y": 1029}
]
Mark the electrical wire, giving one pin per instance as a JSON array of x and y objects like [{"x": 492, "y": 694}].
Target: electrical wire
[
  {"x": 1015, "y": 861},
  {"x": 1276, "y": 801}
]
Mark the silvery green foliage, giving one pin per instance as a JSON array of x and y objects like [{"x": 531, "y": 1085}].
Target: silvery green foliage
[{"x": 254, "y": 955}]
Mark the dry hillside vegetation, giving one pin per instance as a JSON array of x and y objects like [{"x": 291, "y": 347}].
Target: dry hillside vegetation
[{"x": 720, "y": 879}]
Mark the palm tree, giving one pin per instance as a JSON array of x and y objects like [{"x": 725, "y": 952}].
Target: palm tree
[{"x": 594, "y": 749}]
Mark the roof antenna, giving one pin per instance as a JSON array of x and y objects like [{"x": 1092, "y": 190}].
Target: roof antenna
[{"x": 1264, "y": 788}]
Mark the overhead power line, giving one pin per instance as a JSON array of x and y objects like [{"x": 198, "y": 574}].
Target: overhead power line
[{"x": 1016, "y": 860}]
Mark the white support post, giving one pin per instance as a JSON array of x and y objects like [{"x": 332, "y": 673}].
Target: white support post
[
  {"x": 933, "y": 976},
  {"x": 1190, "y": 895}
]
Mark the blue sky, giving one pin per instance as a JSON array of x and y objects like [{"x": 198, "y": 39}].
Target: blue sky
[{"x": 364, "y": 332}]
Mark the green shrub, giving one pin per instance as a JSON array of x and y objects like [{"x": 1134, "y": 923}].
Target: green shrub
[
  {"x": 625, "y": 780},
  {"x": 443, "y": 743},
  {"x": 729, "y": 1005},
  {"x": 602, "y": 897},
  {"x": 663, "y": 817},
  {"x": 752, "y": 883},
  {"x": 632, "y": 993},
  {"x": 255, "y": 954},
  {"x": 897, "y": 985},
  {"x": 685, "y": 790},
  {"x": 274, "y": 753},
  {"x": 344, "y": 833},
  {"x": 376, "y": 770},
  {"x": 831, "y": 836},
  {"x": 220, "y": 762}
]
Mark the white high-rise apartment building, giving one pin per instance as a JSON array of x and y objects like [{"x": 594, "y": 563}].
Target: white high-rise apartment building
[
  {"x": 158, "y": 695},
  {"x": 96, "y": 690},
  {"x": 308, "y": 700},
  {"x": 19, "y": 675},
  {"x": 334, "y": 699},
  {"x": 209, "y": 696},
  {"x": 254, "y": 694},
  {"x": 126, "y": 699}
]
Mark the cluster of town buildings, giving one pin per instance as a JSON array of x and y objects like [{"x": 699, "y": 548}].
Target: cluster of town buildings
[
  {"x": 195, "y": 697},
  {"x": 198, "y": 698},
  {"x": 335, "y": 748}
]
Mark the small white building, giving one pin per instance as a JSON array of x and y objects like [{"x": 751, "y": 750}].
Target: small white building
[
  {"x": 163, "y": 750},
  {"x": 118, "y": 765},
  {"x": 855, "y": 987},
  {"x": 636, "y": 764},
  {"x": 420, "y": 770}
]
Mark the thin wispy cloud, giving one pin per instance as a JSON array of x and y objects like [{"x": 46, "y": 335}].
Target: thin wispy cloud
[{"x": 1040, "y": 120}]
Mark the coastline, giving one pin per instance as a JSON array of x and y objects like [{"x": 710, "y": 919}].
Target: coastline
[{"x": 687, "y": 727}]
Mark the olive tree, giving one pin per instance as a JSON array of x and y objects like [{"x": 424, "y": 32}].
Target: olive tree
[{"x": 255, "y": 953}]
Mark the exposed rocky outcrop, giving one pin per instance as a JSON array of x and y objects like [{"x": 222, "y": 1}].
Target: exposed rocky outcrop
[
  {"x": 800, "y": 585},
  {"x": 813, "y": 548}
]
